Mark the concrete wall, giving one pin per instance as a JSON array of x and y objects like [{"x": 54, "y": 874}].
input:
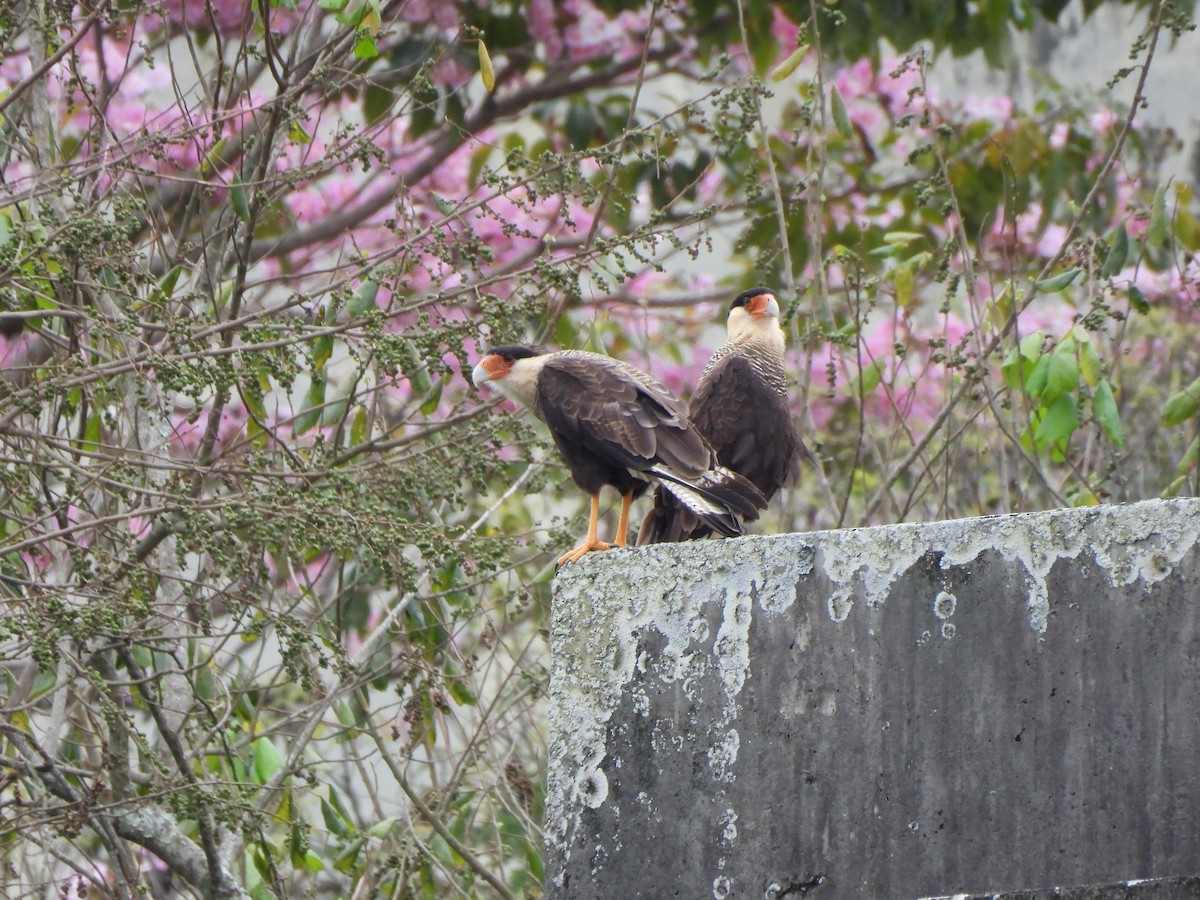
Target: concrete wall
[{"x": 997, "y": 704}]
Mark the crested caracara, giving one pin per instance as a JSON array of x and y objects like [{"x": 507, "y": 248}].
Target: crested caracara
[
  {"x": 740, "y": 407},
  {"x": 615, "y": 425}
]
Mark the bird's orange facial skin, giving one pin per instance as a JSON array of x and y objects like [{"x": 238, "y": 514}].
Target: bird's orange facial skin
[
  {"x": 495, "y": 366},
  {"x": 757, "y": 306}
]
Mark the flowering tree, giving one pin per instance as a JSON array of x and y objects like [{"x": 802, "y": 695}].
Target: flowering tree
[{"x": 274, "y": 579}]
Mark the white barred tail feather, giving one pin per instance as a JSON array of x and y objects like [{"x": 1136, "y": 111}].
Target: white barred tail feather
[{"x": 719, "y": 498}]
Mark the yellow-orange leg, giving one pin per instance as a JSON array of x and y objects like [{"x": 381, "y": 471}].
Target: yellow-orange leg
[
  {"x": 623, "y": 525},
  {"x": 591, "y": 542}
]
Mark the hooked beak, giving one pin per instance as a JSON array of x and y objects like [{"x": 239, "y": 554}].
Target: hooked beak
[
  {"x": 480, "y": 375},
  {"x": 770, "y": 308}
]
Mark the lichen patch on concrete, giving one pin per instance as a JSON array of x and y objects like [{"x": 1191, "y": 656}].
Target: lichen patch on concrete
[
  {"x": 632, "y": 626},
  {"x": 604, "y": 606},
  {"x": 1137, "y": 541}
]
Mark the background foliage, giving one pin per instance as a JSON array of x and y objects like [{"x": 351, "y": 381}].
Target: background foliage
[{"x": 274, "y": 581}]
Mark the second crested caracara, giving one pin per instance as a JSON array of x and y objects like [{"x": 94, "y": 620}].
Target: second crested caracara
[
  {"x": 616, "y": 425},
  {"x": 741, "y": 408}
]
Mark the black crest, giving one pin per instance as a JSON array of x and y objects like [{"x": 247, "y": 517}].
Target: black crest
[{"x": 741, "y": 298}]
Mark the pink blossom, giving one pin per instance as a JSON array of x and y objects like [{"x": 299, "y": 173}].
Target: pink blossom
[
  {"x": 451, "y": 72},
  {"x": 443, "y": 15},
  {"x": 591, "y": 34},
  {"x": 227, "y": 14},
  {"x": 295, "y": 579},
  {"x": 1059, "y": 135},
  {"x": 541, "y": 18},
  {"x": 1049, "y": 314},
  {"x": 1051, "y": 240},
  {"x": 42, "y": 556},
  {"x": 700, "y": 283},
  {"x": 855, "y": 80},
  {"x": 188, "y": 428},
  {"x": 321, "y": 198},
  {"x": 996, "y": 108},
  {"x": 897, "y": 91},
  {"x": 783, "y": 29},
  {"x": 1024, "y": 230},
  {"x": 1103, "y": 121},
  {"x": 647, "y": 281},
  {"x": 681, "y": 378},
  {"x": 14, "y": 351},
  {"x": 1154, "y": 285},
  {"x": 139, "y": 526}
]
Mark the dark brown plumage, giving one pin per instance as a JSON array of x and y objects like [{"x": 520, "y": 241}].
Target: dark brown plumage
[
  {"x": 741, "y": 408},
  {"x": 616, "y": 425}
]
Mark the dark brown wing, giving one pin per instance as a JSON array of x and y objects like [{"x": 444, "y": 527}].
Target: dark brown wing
[
  {"x": 619, "y": 414},
  {"x": 748, "y": 424}
]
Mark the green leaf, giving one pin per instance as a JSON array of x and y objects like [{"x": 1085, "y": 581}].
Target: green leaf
[
  {"x": 1035, "y": 383},
  {"x": 478, "y": 160},
  {"x": 335, "y": 819},
  {"x": 1058, "y": 282},
  {"x": 788, "y": 66},
  {"x": 1138, "y": 300},
  {"x": 1117, "y": 253},
  {"x": 1015, "y": 370},
  {"x": 1031, "y": 345},
  {"x": 580, "y": 125},
  {"x": 1156, "y": 233},
  {"x": 902, "y": 237},
  {"x": 1082, "y": 498},
  {"x": 461, "y": 693},
  {"x": 237, "y": 196},
  {"x": 1062, "y": 373},
  {"x": 365, "y": 48},
  {"x": 363, "y": 300},
  {"x": 1089, "y": 363},
  {"x": 382, "y": 828},
  {"x": 91, "y": 434},
  {"x": 1187, "y": 229},
  {"x": 431, "y": 400},
  {"x": 1174, "y": 487},
  {"x": 298, "y": 135},
  {"x": 1187, "y": 462},
  {"x": 310, "y": 412},
  {"x": 358, "y": 427},
  {"x": 212, "y": 158},
  {"x": 377, "y": 100},
  {"x": 334, "y": 411},
  {"x": 905, "y": 284},
  {"x": 371, "y": 19},
  {"x": 886, "y": 250},
  {"x": 841, "y": 119},
  {"x": 332, "y": 5},
  {"x": 533, "y": 859},
  {"x": 415, "y": 369},
  {"x": 871, "y": 375},
  {"x": 486, "y": 71},
  {"x": 322, "y": 349},
  {"x": 1058, "y": 422},
  {"x": 344, "y": 861},
  {"x": 1104, "y": 405},
  {"x": 267, "y": 759},
  {"x": 1183, "y": 405},
  {"x": 165, "y": 289}
]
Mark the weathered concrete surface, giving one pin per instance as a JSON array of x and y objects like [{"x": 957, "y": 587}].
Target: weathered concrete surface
[
  {"x": 1141, "y": 889},
  {"x": 986, "y": 705}
]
